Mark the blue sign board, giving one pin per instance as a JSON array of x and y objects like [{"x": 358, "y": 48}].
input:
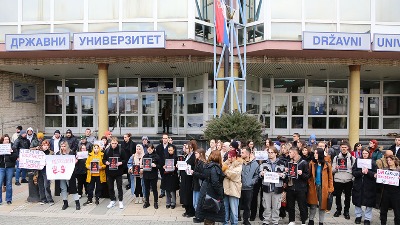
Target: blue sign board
[
  {"x": 336, "y": 41},
  {"x": 386, "y": 42},
  {"x": 34, "y": 42}
]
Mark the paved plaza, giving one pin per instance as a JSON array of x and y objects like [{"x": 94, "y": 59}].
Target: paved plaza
[{"x": 23, "y": 212}]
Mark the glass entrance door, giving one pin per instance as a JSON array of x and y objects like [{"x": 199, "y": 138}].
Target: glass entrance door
[
  {"x": 177, "y": 113},
  {"x": 79, "y": 112},
  {"x": 165, "y": 109},
  {"x": 289, "y": 114},
  {"x": 369, "y": 115},
  {"x": 149, "y": 113}
]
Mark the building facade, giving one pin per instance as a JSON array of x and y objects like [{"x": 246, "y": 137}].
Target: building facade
[{"x": 328, "y": 89}]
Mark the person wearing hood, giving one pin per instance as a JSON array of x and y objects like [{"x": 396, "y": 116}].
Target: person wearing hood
[
  {"x": 21, "y": 143},
  {"x": 334, "y": 149},
  {"x": 55, "y": 142},
  {"x": 232, "y": 169},
  {"x": 30, "y": 135},
  {"x": 272, "y": 195},
  {"x": 312, "y": 141},
  {"x": 73, "y": 142},
  {"x": 374, "y": 151},
  {"x": 137, "y": 182},
  {"x": 250, "y": 176},
  {"x": 213, "y": 187}
]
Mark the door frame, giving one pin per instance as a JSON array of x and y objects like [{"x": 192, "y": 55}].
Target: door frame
[
  {"x": 148, "y": 130},
  {"x": 80, "y": 129},
  {"x": 289, "y": 129},
  {"x": 365, "y": 130}
]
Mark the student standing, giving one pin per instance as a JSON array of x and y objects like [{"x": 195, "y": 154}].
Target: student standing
[
  {"x": 150, "y": 177},
  {"x": 170, "y": 180},
  {"x": 95, "y": 179}
]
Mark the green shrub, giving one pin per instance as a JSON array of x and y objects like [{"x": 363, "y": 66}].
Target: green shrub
[{"x": 236, "y": 126}]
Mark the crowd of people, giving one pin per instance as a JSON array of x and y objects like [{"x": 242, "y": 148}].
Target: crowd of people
[{"x": 229, "y": 182}]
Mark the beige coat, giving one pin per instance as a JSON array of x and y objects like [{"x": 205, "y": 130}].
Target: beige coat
[{"x": 233, "y": 178}]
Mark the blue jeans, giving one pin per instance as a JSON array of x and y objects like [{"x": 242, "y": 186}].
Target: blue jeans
[
  {"x": 196, "y": 195},
  {"x": 133, "y": 185},
  {"x": 8, "y": 174},
  {"x": 19, "y": 172},
  {"x": 231, "y": 209}
]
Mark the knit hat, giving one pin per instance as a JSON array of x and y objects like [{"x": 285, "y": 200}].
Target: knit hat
[
  {"x": 57, "y": 132},
  {"x": 69, "y": 131},
  {"x": 40, "y": 135},
  {"x": 22, "y": 132},
  {"x": 234, "y": 144},
  {"x": 145, "y": 138},
  {"x": 29, "y": 128},
  {"x": 107, "y": 133}
]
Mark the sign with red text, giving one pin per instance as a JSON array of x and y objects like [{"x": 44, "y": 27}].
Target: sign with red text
[
  {"x": 32, "y": 159},
  {"x": 60, "y": 167},
  {"x": 389, "y": 177}
]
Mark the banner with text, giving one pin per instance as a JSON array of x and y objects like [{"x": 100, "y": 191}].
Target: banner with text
[
  {"x": 386, "y": 42},
  {"x": 5, "y": 149},
  {"x": 32, "y": 159},
  {"x": 119, "y": 40},
  {"x": 336, "y": 41},
  {"x": 389, "y": 177},
  {"x": 34, "y": 42},
  {"x": 60, "y": 167}
]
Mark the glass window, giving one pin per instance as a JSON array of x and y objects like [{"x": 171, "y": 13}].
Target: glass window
[
  {"x": 137, "y": 9},
  {"x": 297, "y": 105},
  {"x": 355, "y": 28},
  {"x": 166, "y": 85},
  {"x": 71, "y": 104},
  {"x": 174, "y": 30},
  {"x": 53, "y": 86},
  {"x": 338, "y": 86},
  {"x": 103, "y": 27},
  {"x": 195, "y": 83},
  {"x": 79, "y": 85},
  {"x": 337, "y": 105},
  {"x": 205, "y": 33},
  {"x": 391, "y": 105},
  {"x": 317, "y": 86},
  {"x": 149, "y": 85},
  {"x": 253, "y": 103},
  {"x": 87, "y": 121},
  {"x": 178, "y": 7},
  {"x": 211, "y": 103},
  {"x": 281, "y": 105},
  {"x": 387, "y": 11},
  {"x": 103, "y": 9},
  {"x": 8, "y": 11},
  {"x": 128, "y": 85},
  {"x": 34, "y": 29},
  {"x": 320, "y": 10},
  {"x": 68, "y": 10},
  {"x": 53, "y": 121},
  {"x": 148, "y": 121},
  {"x": 68, "y": 28},
  {"x": 195, "y": 102},
  {"x": 128, "y": 103},
  {"x": 370, "y": 87},
  {"x": 266, "y": 85},
  {"x": 112, "y": 104},
  {"x": 195, "y": 121},
  {"x": 112, "y": 85},
  {"x": 112, "y": 121},
  {"x": 373, "y": 123},
  {"x": 322, "y": 27},
  {"x": 317, "y": 105},
  {"x": 289, "y": 85},
  {"x": 391, "y": 123},
  {"x": 281, "y": 122},
  {"x": 87, "y": 104},
  {"x": 7, "y": 30},
  {"x": 253, "y": 83},
  {"x": 286, "y": 31},
  {"x": 347, "y": 12},
  {"x": 129, "y": 121},
  {"x": 297, "y": 122},
  {"x": 36, "y": 10},
  {"x": 138, "y": 26},
  {"x": 255, "y": 33},
  {"x": 386, "y": 29},
  {"x": 149, "y": 104},
  {"x": 280, "y": 9},
  {"x": 266, "y": 104},
  {"x": 391, "y": 87},
  {"x": 254, "y": 10},
  {"x": 317, "y": 122},
  {"x": 180, "y": 85},
  {"x": 205, "y": 11},
  {"x": 337, "y": 122},
  {"x": 53, "y": 104}
]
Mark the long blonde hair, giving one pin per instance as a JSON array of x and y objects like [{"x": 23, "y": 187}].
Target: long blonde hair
[{"x": 67, "y": 149}]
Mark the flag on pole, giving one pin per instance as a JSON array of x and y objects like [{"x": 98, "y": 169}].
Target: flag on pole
[{"x": 220, "y": 22}]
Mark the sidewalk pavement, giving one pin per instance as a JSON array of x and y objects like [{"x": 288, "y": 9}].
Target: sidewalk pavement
[{"x": 21, "y": 212}]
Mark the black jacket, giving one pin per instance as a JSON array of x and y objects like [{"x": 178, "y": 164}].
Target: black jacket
[
  {"x": 170, "y": 180},
  {"x": 72, "y": 142},
  {"x": 128, "y": 147},
  {"x": 300, "y": 184},
  {"x": 8, "y": 161},
  {"x": 213, "y": 187},
  {"x": 198, "y": 175},
  {"x": 21, "y": 142},
  {"x": 116, "y": 152},
  {"x": 393, "y": 148},
  {"x": 186, "y": 186},
  {"x": 80, "y": 167},
  {"x": 364, "y": 186},
  {"x": 153, "y": 174},
  {"x": 162, "y": 152}
]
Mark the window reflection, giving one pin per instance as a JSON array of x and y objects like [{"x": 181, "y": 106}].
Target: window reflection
[
  {"x": 317, "y": 105},
  {"x": 289, "y": 85}
]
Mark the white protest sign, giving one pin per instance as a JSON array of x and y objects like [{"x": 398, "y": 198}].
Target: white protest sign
[
  {"x": 271, "y": 177},
  {"x": 100, "y": 143},
  {"x": 32, "y": 159},
  {"x": 364, "y": 163},
  {"x": 5, "y": 149},
  {"x": 60, "y": 167},
  {"x": 387, "y": 177},
  {"x": 261, "y": 155},
  {"x": 82, "y": 155},
  {"x": 182, "y": 165}
]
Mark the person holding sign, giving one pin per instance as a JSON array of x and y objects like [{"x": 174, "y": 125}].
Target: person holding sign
[
  {"x": 170, "y": 180},
  {"x": 364, "y": 187},
  {"x": 68, "y": 186},
  {"x": 232, "y": 184},
  {"x": 186, "y": 185},
  {"x": 7, "y": 167},
  {"x": 96, "y": 174},
  {"x": 80, "y": 169},
  {"x": 272, "y": 187},
  {"x": 134, "y": 164},
  {"x": 114, "y": 159},
  {"x": 342, "y": 166},
  {"x": 297, "y": 187},
  {"x": 391, "y": 194},
  {"x": 320, "y": 185},
  {"x": 43, "y": 182},
  {"x": 151, "y": 177}
]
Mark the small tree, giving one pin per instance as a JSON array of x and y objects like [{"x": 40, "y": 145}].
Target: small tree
[{"x": 236, "y": 126}]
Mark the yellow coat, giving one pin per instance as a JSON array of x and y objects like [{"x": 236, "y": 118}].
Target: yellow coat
[{"x": 102, "y": 173}]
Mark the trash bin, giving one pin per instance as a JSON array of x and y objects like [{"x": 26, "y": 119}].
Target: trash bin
[{"x": 33, "y": 189}]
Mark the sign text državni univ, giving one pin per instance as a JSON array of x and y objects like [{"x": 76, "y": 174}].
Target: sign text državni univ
[{"x": 336, "y": 41}]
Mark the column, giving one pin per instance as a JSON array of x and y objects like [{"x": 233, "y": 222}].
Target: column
[
  {"x": 102, "y": 99},
  {"x": 354, "y": 104},
  {"x": 220, "y": 90},
  {"x": 236, "y": 69}
]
